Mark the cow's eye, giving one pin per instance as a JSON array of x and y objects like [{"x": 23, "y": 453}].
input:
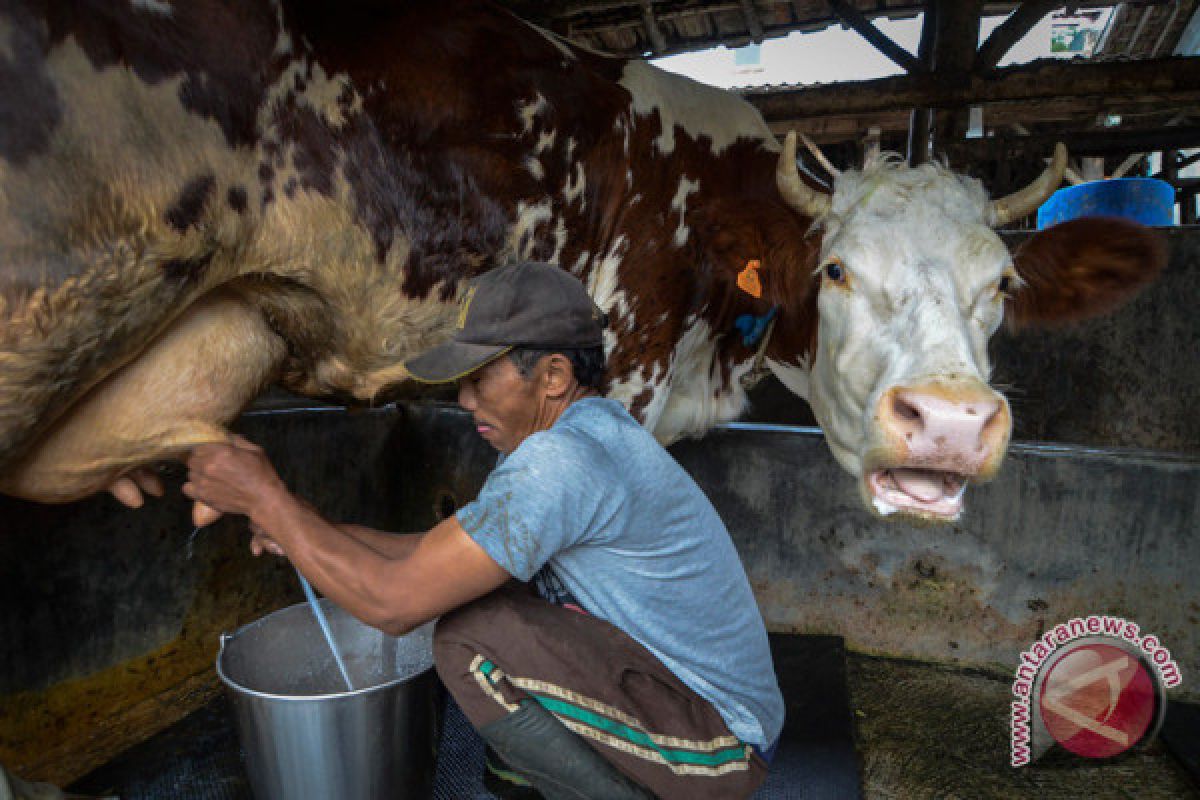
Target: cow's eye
[
  {"x": 1005, "y": 286},
  {"x": 835, "y": 272}
]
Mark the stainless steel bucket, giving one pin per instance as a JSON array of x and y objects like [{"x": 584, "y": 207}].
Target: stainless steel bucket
[{"x": 305, "y": 735}]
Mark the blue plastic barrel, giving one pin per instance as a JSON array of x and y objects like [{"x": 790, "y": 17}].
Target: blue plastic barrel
[{"x": 1145, "y": 200}]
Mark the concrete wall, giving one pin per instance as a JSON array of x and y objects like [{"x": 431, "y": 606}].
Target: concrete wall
[{"x": 1062, "y": 532}]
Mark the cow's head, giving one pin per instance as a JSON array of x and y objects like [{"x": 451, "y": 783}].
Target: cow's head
[{"x": 914, "y": 281}]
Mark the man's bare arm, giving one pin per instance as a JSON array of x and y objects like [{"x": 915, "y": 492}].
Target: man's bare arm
[
  {"x": 384, "y": 543},
  {"x": 392, "y": 545},
  {"x": 444, "y": 569}
]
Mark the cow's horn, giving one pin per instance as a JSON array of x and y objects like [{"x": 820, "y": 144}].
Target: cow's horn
[
  {"x": 1024, "y": 201},
  {"x": 796, "y": 193}
]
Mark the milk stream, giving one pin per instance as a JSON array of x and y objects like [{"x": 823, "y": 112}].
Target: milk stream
[{"x": 324, "y": 623}]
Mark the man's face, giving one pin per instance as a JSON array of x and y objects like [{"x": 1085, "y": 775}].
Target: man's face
[{"x": 504, "y": 404}]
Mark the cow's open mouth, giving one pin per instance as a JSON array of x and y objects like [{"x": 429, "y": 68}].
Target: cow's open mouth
[{"x": 928, "y": 493}]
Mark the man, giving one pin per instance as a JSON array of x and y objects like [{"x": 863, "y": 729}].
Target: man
[{"x": 643, "y": 666}]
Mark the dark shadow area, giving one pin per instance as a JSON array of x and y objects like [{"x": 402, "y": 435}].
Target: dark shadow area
[
  {"x": 1181, "y": 735},
  {"x": 199, "y": 757}
]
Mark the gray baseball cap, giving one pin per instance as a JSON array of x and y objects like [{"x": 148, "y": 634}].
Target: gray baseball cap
[{"x": 527, "y": 304}]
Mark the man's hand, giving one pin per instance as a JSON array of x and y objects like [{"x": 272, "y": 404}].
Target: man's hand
[
  {"x": 261, "y": 543},
  {"x": 235, "y": 478}
]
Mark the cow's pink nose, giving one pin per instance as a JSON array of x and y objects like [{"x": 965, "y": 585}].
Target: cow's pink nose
[{"x": 958, "y": 430}]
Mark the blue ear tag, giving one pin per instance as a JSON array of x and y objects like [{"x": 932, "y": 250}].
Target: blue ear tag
[{"x": 752, "y": 328}]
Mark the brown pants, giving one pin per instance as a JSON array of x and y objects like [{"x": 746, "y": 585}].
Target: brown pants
[{"x": 600, "y": 683}]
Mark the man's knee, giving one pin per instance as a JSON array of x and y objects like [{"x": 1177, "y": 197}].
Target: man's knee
[
  {"x": 480, "y": 627},
  {"x": 451, "y": 652}
]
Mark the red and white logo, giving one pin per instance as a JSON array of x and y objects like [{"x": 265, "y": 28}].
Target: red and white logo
[
  {"x": 1094, "y": 685},
  {"x": 1098, "y": 699}
]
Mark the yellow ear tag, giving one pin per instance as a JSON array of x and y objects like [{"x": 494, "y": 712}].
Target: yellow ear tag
[{"x": 747, "y": 279}]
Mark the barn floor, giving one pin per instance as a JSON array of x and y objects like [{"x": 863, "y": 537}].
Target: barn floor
[
  {"x": 931, "y": 732},
  {"x": 922, "y": 732},
  {"x": 199, "y": 759}
]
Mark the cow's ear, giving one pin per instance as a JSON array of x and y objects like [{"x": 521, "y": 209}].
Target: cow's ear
[
  {"x": 1083, "y": 268},
  {"x": 735, "y": 235}
]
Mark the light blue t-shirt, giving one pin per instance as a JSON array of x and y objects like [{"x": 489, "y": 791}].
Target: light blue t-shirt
[{"x": 605, "y": 509}]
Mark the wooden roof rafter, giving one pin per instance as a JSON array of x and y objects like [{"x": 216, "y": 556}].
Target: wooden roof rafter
[
  {"x": 653, "y": 32},
  {"x": 1170, "y": 80},
  {"x": 1011, "y": 31},
  {"x": 854, "y": 19},
  {"x": 753, "y": 23},
  {"x": 935, "y": 102},
  {"x": 633, "y": 27}
]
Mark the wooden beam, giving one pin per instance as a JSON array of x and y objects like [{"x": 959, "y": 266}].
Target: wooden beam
[
  {"x": 674, "y": 44},
  {"x": 1068, "y": 115},
  {"x": 920, "y": 121},
  {"x": 1171, "y": 80},
  {"x": 625, "y": 15},
  {"x": 1092, "y": 144},
  {"x": 1166, "y": 29},
  {"x": 753, "y": 23},
  {"x": 957, "y": 37},
  {"x": 928, "y": 37},
  {"x": 1137, "y": 32},
  {"x": 657, "y": 41},
  {"x": 1011, "y": 31},
  {"x": 852, "y": 18},
  {"x": 591, "y": 18},
  {"x": 1181, "y": 162},
  {"x": 824, "y": 130},
  {"x": 954, "y": 55}
]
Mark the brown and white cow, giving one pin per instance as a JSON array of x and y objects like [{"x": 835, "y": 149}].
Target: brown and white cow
[{"x": 199, "y": 198}]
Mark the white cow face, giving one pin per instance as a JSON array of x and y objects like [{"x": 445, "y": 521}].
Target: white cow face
[{"x": 913, "y": 286}]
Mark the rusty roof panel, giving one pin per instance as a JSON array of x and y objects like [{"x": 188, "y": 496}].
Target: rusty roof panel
[{"x": 620, "y": 26}]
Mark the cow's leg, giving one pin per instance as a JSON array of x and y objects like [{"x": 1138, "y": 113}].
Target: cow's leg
[{"x": 179, "y": 392}]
